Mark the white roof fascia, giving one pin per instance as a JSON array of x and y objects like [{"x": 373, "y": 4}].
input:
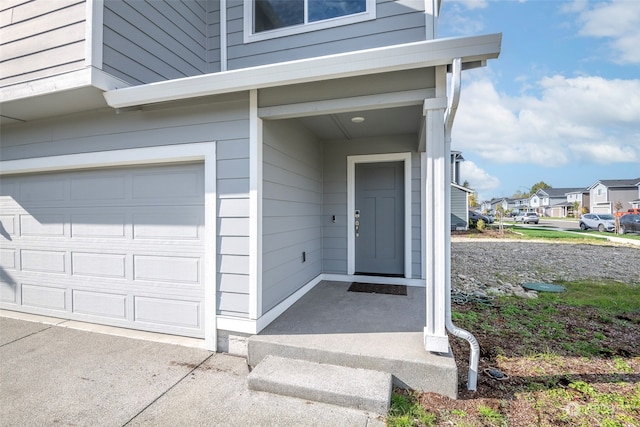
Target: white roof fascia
[
  {"x": 84, "y": 77},
  {"x": 379, "y": 60},
  {"x": 460, "y": 187}
]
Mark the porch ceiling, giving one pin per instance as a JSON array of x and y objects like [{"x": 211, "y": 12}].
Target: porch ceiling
[{"x": 388, "y": 121}]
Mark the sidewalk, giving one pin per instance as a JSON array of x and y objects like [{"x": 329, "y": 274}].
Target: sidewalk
[{"x": 52, "y": 375}]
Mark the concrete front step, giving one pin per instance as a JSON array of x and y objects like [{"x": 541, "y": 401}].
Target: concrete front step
[
  {"x": 400, "y": 354},
  {"x": 361, "y": 389}
]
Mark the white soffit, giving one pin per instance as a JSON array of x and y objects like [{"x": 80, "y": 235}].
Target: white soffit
[{"x": 385, "y": 59}]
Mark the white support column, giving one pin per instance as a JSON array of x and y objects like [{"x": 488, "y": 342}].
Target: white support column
[
  {"x": 437, "y": 236},
  {"x": 255, "y": 208}
]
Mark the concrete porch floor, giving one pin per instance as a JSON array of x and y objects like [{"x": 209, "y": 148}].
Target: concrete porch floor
[{"x": 359, "y": 330}]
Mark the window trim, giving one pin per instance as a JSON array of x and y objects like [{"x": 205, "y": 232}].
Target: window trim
[{"x": 250, "y": 36}]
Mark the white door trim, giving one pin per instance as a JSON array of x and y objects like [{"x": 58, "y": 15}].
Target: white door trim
[
  {"x": 204, "y": 151},
  {"x": 351, "y": 202}
]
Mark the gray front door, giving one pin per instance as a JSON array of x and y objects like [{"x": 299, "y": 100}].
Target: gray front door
[{"x": 379, "y": 211}]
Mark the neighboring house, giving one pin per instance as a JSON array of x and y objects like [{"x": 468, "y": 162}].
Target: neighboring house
[
  {"x": 606, "y": 193},
  {"x": 521, "y": 204},
  {"x": 555, "y": 201},
  {"x": 535, "y": 202},
  {"x": 492, "y": 205},
  {"x": 636, "y": 203},
  {"x": 579, "y": 196},
  {"x": 456, "y": 159},
  {"x": 195, "y": 167},
  {"x": 459, "y": 195},
  {"x": 459, "y": 207}
]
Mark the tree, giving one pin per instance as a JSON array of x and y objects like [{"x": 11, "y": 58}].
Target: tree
[
  {"x": 500, "y": 214},
  {"x": 576, "y": 209},
  {"x": 532, "y": 190},
  {"x": 539, "y": 186},
  {"x": 473, "y": 199}
]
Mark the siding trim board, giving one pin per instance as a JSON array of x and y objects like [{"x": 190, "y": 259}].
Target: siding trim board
[{"x": 149, "y": 156}]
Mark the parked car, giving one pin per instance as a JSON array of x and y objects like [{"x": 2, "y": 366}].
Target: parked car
[
  {"x": 630, "y": 223},
  {"x": 600, "y": 222},
  {"x": 475, "y": 216},
  {"x": 527, "y": 218}
]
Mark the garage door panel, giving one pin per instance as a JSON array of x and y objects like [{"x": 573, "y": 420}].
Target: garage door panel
[
  {"x": 170, "y": 312},
  {"x": 180, "y": 270},
  {"x": 44, "y": 297},
  {"x": 179, "y": 185},
  {"x": 100, "y": 304},
  {"x": 8, "y": 258},
  {"x": 8, "y": 289},
  {"x": 45, "y": 225},
  {"x": 7, "y": 226},
  {"x": 106, "y": 225},
  {"x": 172, "y": 223},
  {"x": 104, "y": 188},
  {"x": 98, "y": 265},
  {"x": 42, "y": 189},
  {"x": 43, "y": 261}
]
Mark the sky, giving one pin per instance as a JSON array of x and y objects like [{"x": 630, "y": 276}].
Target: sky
[{"x": 561, "y": 104}]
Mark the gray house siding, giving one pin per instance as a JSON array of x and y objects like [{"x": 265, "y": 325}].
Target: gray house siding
[
  {"x": 146, "y": 42},
  {"x": 224, "y": 120},
  {"x": 334, "y": 160},
  {"x": 396, "y": 22},
  {"x": 40, "y": 39},
  {"x": 292, "y": 206},
  {"x": 458, "y": 209}
]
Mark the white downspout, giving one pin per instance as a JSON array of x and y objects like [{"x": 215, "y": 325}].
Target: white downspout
[{"x": 449, "y": 115}]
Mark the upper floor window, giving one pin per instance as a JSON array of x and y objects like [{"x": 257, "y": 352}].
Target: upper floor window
[{"x": 265, "y": 19}]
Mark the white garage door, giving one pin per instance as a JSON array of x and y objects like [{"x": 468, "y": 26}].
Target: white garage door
[{"x": 122, "y": 247}]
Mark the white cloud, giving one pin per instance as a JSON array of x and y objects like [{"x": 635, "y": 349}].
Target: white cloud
[
  {"x": 479, "y": 179},
  {"x": 587, "y": 119},
  {"x": 472, "y": 4},
  {"x": 618, "y": 21},
  {"x": 459, "y": 20}
]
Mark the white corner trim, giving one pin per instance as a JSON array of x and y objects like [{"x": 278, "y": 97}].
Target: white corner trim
[
  {"x": 351, "y": 194},
  {"x": 255, "y": 208},
  {"x": 203, "y": 151},
  {"x": 94, "y": 33}
]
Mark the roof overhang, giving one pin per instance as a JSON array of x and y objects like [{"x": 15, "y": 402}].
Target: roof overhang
[
  {"x": 71, "y": 92},
  {"x": 473, "y": 51},
  {"x": 460, "y": 187}
]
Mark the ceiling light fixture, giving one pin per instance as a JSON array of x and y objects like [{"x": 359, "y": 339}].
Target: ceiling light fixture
[{"x": 357, "y": 119}]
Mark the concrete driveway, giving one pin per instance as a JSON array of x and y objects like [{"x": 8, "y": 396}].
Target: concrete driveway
[{"x": 56, "y": 375}]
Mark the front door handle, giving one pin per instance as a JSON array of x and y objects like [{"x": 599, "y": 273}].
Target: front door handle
[{"x": 357, "y": 224}]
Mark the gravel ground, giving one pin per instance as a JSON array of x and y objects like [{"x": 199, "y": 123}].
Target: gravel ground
[{"x": 501, "y": 267}]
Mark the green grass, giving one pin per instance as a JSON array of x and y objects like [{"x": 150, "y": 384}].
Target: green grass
[
  {"x": 406, "y": 411},
  {"x": 548, "y": 339},
  {"x": 553, "y": 234},
  {"x": 608, "y": 296}
]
